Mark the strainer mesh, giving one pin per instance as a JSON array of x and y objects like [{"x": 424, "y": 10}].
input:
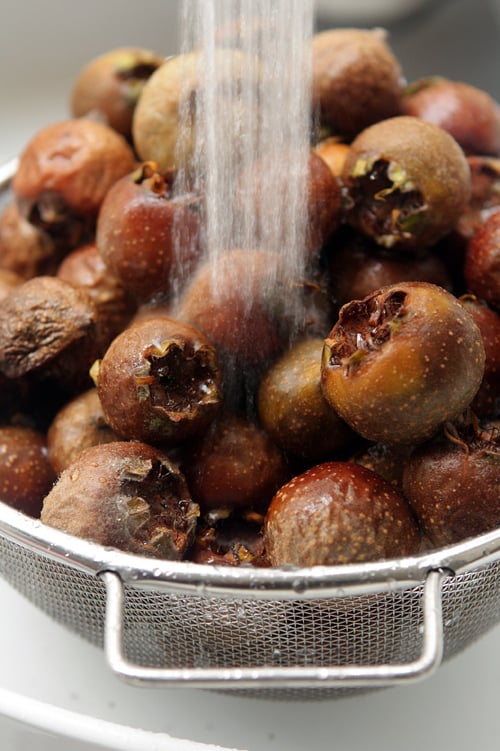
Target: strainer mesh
[{"x": 174, "y": 630}]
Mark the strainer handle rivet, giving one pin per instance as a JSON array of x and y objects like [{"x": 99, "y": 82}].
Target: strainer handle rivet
[{"x": 278, "y": 676}]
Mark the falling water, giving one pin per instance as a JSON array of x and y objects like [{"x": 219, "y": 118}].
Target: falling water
[{"x": 251, "y": 107}]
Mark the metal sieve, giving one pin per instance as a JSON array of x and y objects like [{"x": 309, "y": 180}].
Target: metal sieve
[{"x": 285, "y": 633}]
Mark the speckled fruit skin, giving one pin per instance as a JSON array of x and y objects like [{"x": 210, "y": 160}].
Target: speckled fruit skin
[
  {"x": 407, "y": 182},
  {"x": 147, "y": 237},
  {"x": 26, "y": 474},
  {"x": 292, "y": 407},
  {"x": 159, "y": 382},
  {"x": 401, "y": 362},
  {"x": 234, "y": 465},
  {"x": 356, "y": 80},
  {"x": 454, "y": 488},
  {"x": 126, "y": 495},
  {"x": 337, "y": 513}
]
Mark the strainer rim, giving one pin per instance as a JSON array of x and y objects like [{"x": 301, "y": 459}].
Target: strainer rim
[{"x": 92, "y": 558}]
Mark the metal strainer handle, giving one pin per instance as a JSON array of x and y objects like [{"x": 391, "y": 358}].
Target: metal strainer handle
[{"x": 279, "y": 676}]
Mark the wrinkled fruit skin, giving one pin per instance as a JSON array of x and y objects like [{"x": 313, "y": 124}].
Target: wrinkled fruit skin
[
  {"x": 337, "y": 513},
  {"x": 49, "y": 328},
  {"x": 401, "y": 196},
  {"x": 400, "y": 363},
  {"x": 159, "y": 382},
  {"x": 125, "y": 495},
  {"x": 452, "y": 484},
  {"x": 70, "y": 166}
]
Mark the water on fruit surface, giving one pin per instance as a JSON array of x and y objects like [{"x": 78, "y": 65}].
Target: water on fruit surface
[{"x": 249, "y": 125}]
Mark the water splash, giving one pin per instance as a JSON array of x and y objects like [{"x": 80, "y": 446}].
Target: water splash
[{"x": 246, "y": 126}]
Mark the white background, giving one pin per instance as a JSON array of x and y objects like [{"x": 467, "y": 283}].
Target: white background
[{"x": 42, "y": 47}]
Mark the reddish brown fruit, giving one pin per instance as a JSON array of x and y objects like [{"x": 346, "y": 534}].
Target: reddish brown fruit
[
  {"x": 237, "y": 301},
  {"x": 400, "y": 363},
  {"x": 66, "y": 170},
  {"x": 452, "y": 483},
  {"x": 486, "y": 403},
  {"x": 84, "y": 267},
  {"x": 159, "y": 382},
  {"x": 149, "y": 237},
  {"x": 338, "y": 513},
  {"x": 482, "y": 261},
  {"x": 360, "y": 267},
  {"x": 466, "y": 112},
  {"x": 26, "y": 474},
  {"x": 235, "y": 464}
]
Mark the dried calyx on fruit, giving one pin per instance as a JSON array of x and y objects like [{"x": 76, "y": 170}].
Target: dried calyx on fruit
[
  {"x": 126, "y": 495},
  {"x": 401, "y": 195},
  {"x": 452, "y": 482},
  {"x": 401, "y": 362},
  {"x": 159, "y": 382}
]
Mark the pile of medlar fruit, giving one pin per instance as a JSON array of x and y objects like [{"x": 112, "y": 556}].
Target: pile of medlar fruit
[{"x": 148, "y": 408}]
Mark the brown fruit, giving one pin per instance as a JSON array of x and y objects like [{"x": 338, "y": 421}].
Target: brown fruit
[
  {"x": 126, "y": 495},
  {"x": 452, "y": 483},
  {"x": 407, "y": 183},
  {"x": 401, "y": 362},
  {"x": 337, "y": 513},
  {"x": 148, "y": 236},
  {"x": 111, "y": 84},
  {"x": 482, "y": 261},
  {"x": 49, "y": 328},
  {"x": 26, "y": 474},
  {"x": 466, "y": 112},
  {"x": 66, "y": 170},
  {"x": 77, "y": 426},
  {"x": 84, "y": 267},
  {"x": 356, "y": 80},
  {"x": 292, "y": 407},
  {"x": 235, "y": 464},
  {"x": 159, "y": 381}
]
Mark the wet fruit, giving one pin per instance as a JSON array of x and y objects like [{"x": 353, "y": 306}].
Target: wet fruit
[
  {"x": 126, "y": 495},
  {"x": 401, "y": 362},
  {"x": 336, "y": 513}
]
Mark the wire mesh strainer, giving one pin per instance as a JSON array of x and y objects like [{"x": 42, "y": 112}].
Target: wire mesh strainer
[{"x": 276, "y": 633}]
